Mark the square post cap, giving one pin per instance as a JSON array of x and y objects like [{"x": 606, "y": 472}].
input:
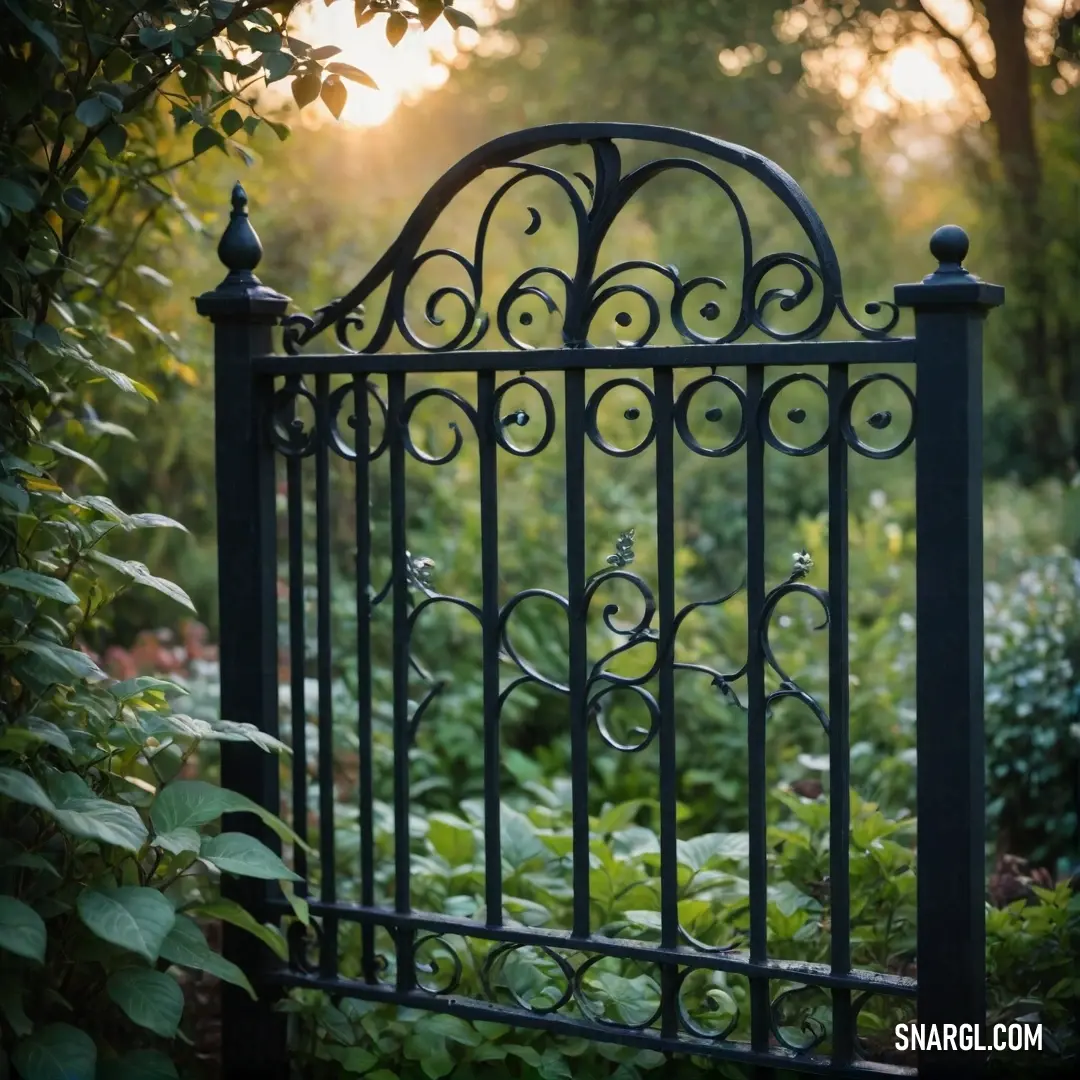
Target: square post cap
[
  {"x": 950, "y": 285},
  {"x": 241, "y": 295}
]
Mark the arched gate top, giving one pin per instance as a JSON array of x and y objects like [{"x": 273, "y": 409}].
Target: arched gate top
[{"x": 595, "y": 201}]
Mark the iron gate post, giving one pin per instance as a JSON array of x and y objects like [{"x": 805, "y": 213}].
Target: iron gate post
[
  {"x": 244, "y": 312},
  {"x": 950, "y": 305}
]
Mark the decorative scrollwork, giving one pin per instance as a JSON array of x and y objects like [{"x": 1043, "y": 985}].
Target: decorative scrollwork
[
  {"x": 789, "y": 688},
  {"x": 585, "y": 290},
  {"x": 303, "y": 944},
  {"x": 337, "y": 403},
  {"x": 406, "y": 417},
  {"x": 595, "y": 1000},
  {"x": 808, "y": 1023},
  {"x": 796, "y": 416},
  {"x": 713, "y": 416},
  {"x": 714, "y": 1002},
  {"x": 520, "y": 418},
  {"x": 287, "y": 431},
  {"x": 519, "y": 970},
  {"x": 427, "y": 951},
  {"x": 879, "y": 421},
  {"x": 592, "y": 429}
]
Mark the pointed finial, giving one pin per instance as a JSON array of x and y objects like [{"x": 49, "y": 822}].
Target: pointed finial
[
  {"x": 241, "y": 296},
  {"x": 239, "y": 248},
  {"x": 949, "y": 245}
]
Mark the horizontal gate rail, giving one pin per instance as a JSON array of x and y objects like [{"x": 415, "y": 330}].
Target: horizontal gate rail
[
  {"x": 258, "y": 401},
  {"x": 885, "y": 353}
]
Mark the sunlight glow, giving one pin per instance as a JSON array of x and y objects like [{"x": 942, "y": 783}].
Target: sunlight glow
[
  {"x": 418, "y": 63},
  {"x": 914, "y": 75}
]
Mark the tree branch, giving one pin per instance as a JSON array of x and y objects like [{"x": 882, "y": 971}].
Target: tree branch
[{"x": 969, "y": 61}]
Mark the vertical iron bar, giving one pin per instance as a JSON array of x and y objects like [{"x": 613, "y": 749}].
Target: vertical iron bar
[
  {"x": 327, "y": 868},
  {"x": 404, "y": 939},
  {"x": 294, "y": 477},
  {"x": 362, "y": 499},
  {"x": 575, "y": 563},
  {"x": 663, "y": 393},
  {"x": 950, "y": 307},
  {"x": 755, "y": 691},
  {"x": 489, "y": 559},
  {"x": 839, "y": 768}
]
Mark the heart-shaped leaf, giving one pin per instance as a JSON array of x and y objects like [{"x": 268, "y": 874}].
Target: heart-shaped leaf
[
  {"x": 243, "y": 855},
  {"x": 56, "y": 1052},
  {"x": 22, "y": 930},
  {"x": 149, "y": 998},
  {"x": 132, "y": 917},
  {"x": 187, "y": 947}
]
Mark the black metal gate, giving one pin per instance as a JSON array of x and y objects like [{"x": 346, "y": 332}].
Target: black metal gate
[{"x": 261, "y": 433}]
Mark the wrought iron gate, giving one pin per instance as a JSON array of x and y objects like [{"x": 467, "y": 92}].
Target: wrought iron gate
[{"x": 259, "y": 431}]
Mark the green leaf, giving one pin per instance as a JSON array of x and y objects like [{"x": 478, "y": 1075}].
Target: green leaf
[
  {"x": 17, "y": 196},
  {"x": 452, "y": 838},
  {"x": 231, "y": 912},
  {"x": 353, "y": 1059},
  {"x": 23, "y": 788},
  {"x": 191, "y": 803},
  {"x": 305, "y": 88},
  {"x": 324, "y": 52},
  {"x": 264, "y": 42},
  {"x": 282, "y": 131},
  {"x": 113, "y": 138},
  {"x": 187, "y": 947},
  {"x": 231, "y": 122},
  {"x": 153, "y": 38},
  {"x": 76, "y": 199},
  {"x": 129, "y": 689},
  {"x": 11, "y": 1007},
  {"x": 132, "y": 917},
  {"x": 237, "y": 853},
  {"x": 63, "y": 661},
  {"x": 39, "y": 584},
  {"x": 93, "y": 111},
  {"x": 458, "y": 19},
  {"x": 277, "y": 65},
  {"x": 56, "y": 1052},
  {"x": 178, "y": 841},
  {"x": 334, "y": 95},
  {"x": 297, "y": 903},
  {"x": 14, "y": 494},
  {"x": 142, "y": 576},
  {"x": 206, "y": 138},
  {"x": 149, "y": 998},
  {"x": 22, "y": 930},
  {"x": 104, "y": 821},
  {"x": 139, "y": 1065},
  {"x": 396, "y": 26},
  {"x": 75, "y": 455},
  {"x": 553, "y": 1066},
  {"x": 347, "y": 71}
]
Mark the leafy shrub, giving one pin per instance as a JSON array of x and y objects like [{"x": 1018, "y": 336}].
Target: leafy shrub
[
  {"x": 106, "y": 865},
  {"x": 1033, "y": 710},
  {"x": 351, "y": 1037}
]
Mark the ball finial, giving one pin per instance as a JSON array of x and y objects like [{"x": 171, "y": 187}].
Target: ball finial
[{"x": 949, "y": 245}]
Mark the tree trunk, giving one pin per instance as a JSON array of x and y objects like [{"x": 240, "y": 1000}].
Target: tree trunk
[{"x": 1040, "y": 371}]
